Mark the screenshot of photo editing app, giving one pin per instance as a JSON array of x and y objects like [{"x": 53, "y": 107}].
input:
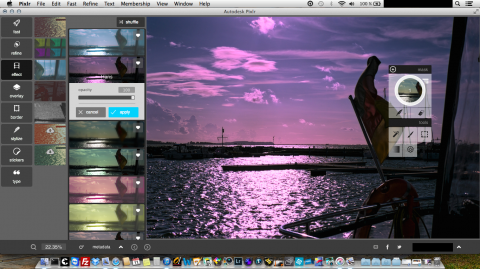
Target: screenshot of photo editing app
[{"x": 239, "y": 134}]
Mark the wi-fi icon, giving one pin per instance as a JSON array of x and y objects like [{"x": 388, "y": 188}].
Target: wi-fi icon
[{"x": 341, "y": 3}]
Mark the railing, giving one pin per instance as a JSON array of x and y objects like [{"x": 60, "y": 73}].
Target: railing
[{"x": 285, "y": 229}]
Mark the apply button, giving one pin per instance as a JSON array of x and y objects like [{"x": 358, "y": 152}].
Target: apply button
[{"x": 123, "y": 112}]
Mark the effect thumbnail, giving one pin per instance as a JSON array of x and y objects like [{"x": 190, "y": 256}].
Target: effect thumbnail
[
  {"x": 106, "y": 42},
  {"x": 50, "y": 155},
  {"x": 106, "y": 217},
  {"x": 106, "y": 70},
  {"x": 49, "y": 112},
  {"x": 106, "y": 236},
  {"x": 106, "y": 134},
  {"x": 50, "y": 47},
  {"x": 50, "y": 27},
  {"x": 50, "y": 134},
  {"x": 50, "y": 91},
  {"x": 50, "y": 70},
  {"x": 107, "y": 190},
  {"x": 105, "y": 162}
]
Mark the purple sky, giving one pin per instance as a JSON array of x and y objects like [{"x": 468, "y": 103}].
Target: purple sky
[{"x": 283, "y": 77}]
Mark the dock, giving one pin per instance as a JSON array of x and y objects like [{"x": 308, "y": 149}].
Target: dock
[
  {"x": 321, "y": 169},
  {"x": 287, "y": 166},
  {"x": 389, "y": 172}
]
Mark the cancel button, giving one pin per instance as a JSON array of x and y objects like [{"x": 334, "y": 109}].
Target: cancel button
[{"x": 90, "y": 112}]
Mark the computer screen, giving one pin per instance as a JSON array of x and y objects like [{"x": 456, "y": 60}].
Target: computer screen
[{"x": 253, "y": 128}]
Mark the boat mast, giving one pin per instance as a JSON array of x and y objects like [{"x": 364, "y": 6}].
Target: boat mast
[{"x": 222, "y": 137}]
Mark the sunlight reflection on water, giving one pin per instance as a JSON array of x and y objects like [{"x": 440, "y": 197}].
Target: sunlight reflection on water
[{"x": 195, "y": 198}]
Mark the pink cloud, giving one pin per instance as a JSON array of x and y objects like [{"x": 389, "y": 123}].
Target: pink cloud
[
  {"x": 337, "y": 86},
  {"x": 192, "y": 72},
  {"x": 259, "y": 65},
  {"x": 284, "y": 125},
  {"x": 274, "y": 99},
  {"x": 228, "y": 58},
  {"x": 303, "y": 121},
  {"x": 323, "y": 68},
  {"x": 274, "y": 81},
  {"x": 163, "y": 94},
  {"x": 328, "y": 78},
  {"x": 317, "y": 54},
  {"x": 417, "y": 33},
  {"x": 298, "y": 100},
  {"x": 228, "y": 104},
  {"x": 255, "y": 96},
  {"x": 440, "y": 60},
  {"x": 347, "y": 129},
  {"x": 341, "y": 68},
  {"x": 230, "y": 120},
  {"x": 178, "y": 45},
  {"x": 189, "y": 107},
  {"x": 305, "y": 81},
  {"x": 149, "y": 36},
  {"x": 197, "y": 88},
  {"x": 264, "y": 24}
]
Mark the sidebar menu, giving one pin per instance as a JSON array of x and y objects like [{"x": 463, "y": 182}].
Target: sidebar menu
[{"x": 33, "y": 132}]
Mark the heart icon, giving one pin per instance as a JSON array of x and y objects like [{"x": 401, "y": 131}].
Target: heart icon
[
  {"x": 138, "y": 154},
  {"x": 137, "y": 34},
  {"x": 138, "y": 127},
  {"x": 138, "y": 237},
  {"x": 138, "y": 210},
  {"x": 138, "y": 182},
  {"x": 137, "y": 62}
]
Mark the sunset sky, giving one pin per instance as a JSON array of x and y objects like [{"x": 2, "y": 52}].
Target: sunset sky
[{"x": 283, "y": 77}]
